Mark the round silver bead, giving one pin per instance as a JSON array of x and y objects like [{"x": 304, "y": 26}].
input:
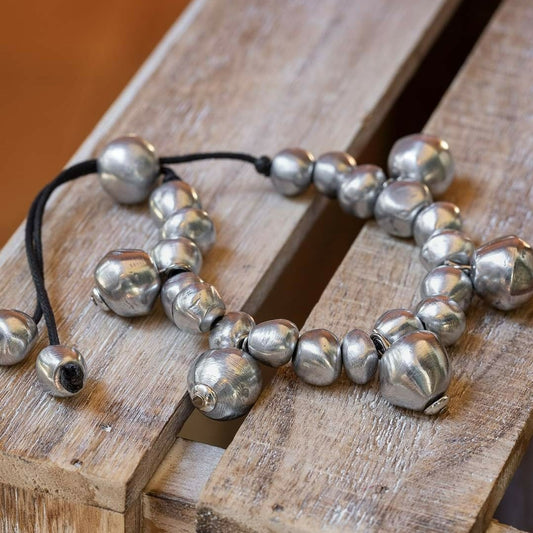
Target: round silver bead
[
  {"x": 273, "y": 342},
  {"x": 444, "y": 246},
  {"x": 231, "y": 330},
  {"x": 393, "y": 325},
  {"x": 224, "y": 383},
  {"x": 450, "y": 281},
  {"x": 61, "y": 370},
  {"x": 169, "y": 198},
  {"x": 434, "y": 217},
  {"x": 177, "y": 254},
  {"x": 291, "y": 171},
  {"x": 193, "y": 223},
  {"x": 398, "y": 204},
  {"x": 317, "y": 359},
  {"x": 18, "y": 333},
  {"x": 127, "y": 168},
  {"x": 423, "y": 158},
  {"x": 359, "y": 356},
  {"x": 127, "y": 282},
  {"x": 330, "y": 170},
  {"x": 442, "y": 316},
  {"x": 359, "y": 190}
]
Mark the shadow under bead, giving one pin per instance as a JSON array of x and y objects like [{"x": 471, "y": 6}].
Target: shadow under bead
[{"x": 18, "y": 333}]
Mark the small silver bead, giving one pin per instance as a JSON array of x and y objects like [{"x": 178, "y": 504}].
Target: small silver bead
[
  {"x": 127, "y": 168},
  {"x": 193, "y": 223},
  {"x": 448, "y": 281},
  {"x": 330, "y": 170},
  {"x": 317, "y": 359},
  {"x": 175, "y": 254},
  {"x": 444, "y": 246},
  {"x": 442, "y": 316},
  {"x": 359, "y": 356},
  {"x": 434, "y": 217},
  {"x": 273, "y": 342},
  {"x": 170, "y": 197},
  {"x": 291, "y": 171},
  {"x": 231, "y": 330},
  {"x": 359, "y": 190},
  {"x": 18, "y": 333},
  {"x": 393, "y": 325},
  {"x": 398, "y": 204}
]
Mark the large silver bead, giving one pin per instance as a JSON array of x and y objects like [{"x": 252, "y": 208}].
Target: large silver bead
[
  {"x": 177, "y": 254},
  {"x": 61, "y": 370},
  {"x": 398, "y": 204},
  {"x": 18, "y": 333},
  {"x": 502, "y": 272},
  {"x": 415, "y": 373},
  {"x": 442, "y": 316},
  {"x": 126, "y": 282},
  {"x": 193, "y": 223},
  {"x": 330, "y": 170},
  {"x": 273, "y": 342},
  {"x": 444, "y": 246},
  {"x": 231, "y": 330},
  {"x": 191, "y": 303},
  {"x": 437, "y": 216},
  {"x": 423, "y": 158},
  {"x": 317, "y": 359},
  {"x": 393, "y": 325},
  {"x": 224, "y": 383},
  {"x": 359, "y": 356},
  {"x": 170, "y": 197},
  {"x": 127, "y": 168},
  {"x": 291, "y": 171},
  {"x": 359, "y": 190},
  {"x": 450, "y": 281}
]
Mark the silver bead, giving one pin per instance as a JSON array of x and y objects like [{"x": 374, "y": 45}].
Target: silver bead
[
  {"x": 359, "y": 356},
  {"x": 191, "y": 303},
  {"x": 398, "y": 204},
  {"x": 193, "y": 223},
  {"x": 126, "y": 282},
  {"x": 330, "y": 170},
  {"x": 359, "y": 190},
  {"x": 393, "y": 325},
  {"x": 437, "y": 216},
  {"x": 291, "y": 171},
  {"x": 224, "y": 383},
  {"x": 423, "y": 158},
  {"x": 127, "y": 168},
  {"x": 450, "y": 281},
  {"x": 502, "y": 272},
  {"x": 61, "y": 370},
  {"x": 442, "y": 316},
  {"x": 18, "y": 333},
  {"x": 170, "y": 197},
  {"x": 175, "y": 254},
  {"x": 231, "y": 330},
  {"x": 415, "y": 373},
  {"x": 317, "y": 359},
  {"x": 273, "y": 342},
  {"x": 444, "y": 246}
]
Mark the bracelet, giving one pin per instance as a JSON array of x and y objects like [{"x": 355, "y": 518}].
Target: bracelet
[{"x": 408, "y": 347}]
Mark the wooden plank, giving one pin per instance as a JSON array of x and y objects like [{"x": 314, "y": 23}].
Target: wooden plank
[
  {"x": 341, "y": 458},
  {"x": 496, "y": 527}
]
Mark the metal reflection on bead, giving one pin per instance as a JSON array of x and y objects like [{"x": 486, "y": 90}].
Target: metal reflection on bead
[
  {"x": 61, "y": 370},
  {"x": 231, "y": 330},
  {"x": 193, "y": 223},
  {"x": 18, "y": 333},
  {"x": 434, "y": 217},
  {"x": 359, "y": 190},
  {"x": 224, "y": 383},
  {"x": 442, "y": 316},
  {"x": 177, "y": 254},
  {"x": 359, "y": 356},
  {"x": 291, "y": 171},
  {"x": 330, "y": 170},
  {"x": 446, "y": 246},
  {"x": 450, "y": 281},
  {"x": 273, "y": 342},
  {"x": 169, "y": 198},
  {"x": 393, "y": 325},
  {"x": 502, "y": 272}
]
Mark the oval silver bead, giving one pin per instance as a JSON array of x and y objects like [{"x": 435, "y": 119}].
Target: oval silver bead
[
  {"x": 393, "y": 325},
  {"x": 231, "y": 330},
  {"x": 442, "y": 316},
  {"x": 359, "y": 356},
  {"x": 450, "y": 281},
  {"x": 177, "y": 254},
  {"x": 330, "y": 170},
  {"x": 359, "y": 190},
  {"x": 291, "y": 171},
  {"x": 169, "y": 198},
  {"x": 192, "y": 223},
  {"x": 273, "y": 342},
  {"x": 434, "y": 217},
  {"x": 18, "y": 333},
  {"x": 447, "y": 245}
]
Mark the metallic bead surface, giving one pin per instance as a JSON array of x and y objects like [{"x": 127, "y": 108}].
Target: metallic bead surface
[
  {"x": 175, "y": 254},
  {"x": 330, "y": 170},
  {"x": 423, "y": 158},
  {"x": 359, "y": 356},
  {"x": 442, "y": 316},
  {"x": 126, "y": 282},
  {"x": 450, "y": 281},
  {"x": 127, "y": 169},
  {"x": 359, "y": 190},
  {"x": 446, "y": 245},
  {"x": 502, "y": 272},
  {"x": 414, "y": 372},
  {"x": 393, "y": 325},
  {"x": 18, "y": 333},
  {"x": 437, "y": 216},
  {"x": 273, "y": 342},
  {"x": 231, "y": 330},
  {"x": 193, "y": 223},
  {"x": 61, "y": 370},
  {"x": 291, "y": 171},
  {"x": 224, "y": 383},
  {"x": 317, "y": 359},
  {"x": 398, "y": 204},
  {"x": 170, "y": 197}
]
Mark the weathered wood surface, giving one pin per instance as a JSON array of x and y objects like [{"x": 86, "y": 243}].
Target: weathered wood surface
[{"x": 342, "y": 459}]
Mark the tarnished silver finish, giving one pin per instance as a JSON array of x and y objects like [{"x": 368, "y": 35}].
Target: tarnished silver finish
[
  {"x": 448, "y": 281},
  {"x": 443, "y": 317},
  {"x": 193, "y": 223},
  {"x": 273, "y": 342},
  {"x": 423, "y": 158},
  {"x": 176, "y": 254},
  {"x": 191, "y": 303},
  {"x": 18, "y": 333},
  {"x": 359, "y": 190},
  {"x": 61, "y": 370},
  {"x": 330, "y": 170},
  {"x": 126, "y": 282},
  {"x": 398, "y": 204},
  {"x": 359, "y": 356},
  {"x": 502, "y": 272},
  {"x": 446, "y": 246},
  {"x": 415, "y": 372},
  {"x": 170, "y": 197},
  {"x": 231, "y": 330},
  {"x": 291, "y": 171},
  {"x": 393, "y": 325},
  {"x": 434, "y": 217},
  {"x": 317, "y": 359},
  {"x": 128, "y": 168},
  {"x": 224, "y": 383}
]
